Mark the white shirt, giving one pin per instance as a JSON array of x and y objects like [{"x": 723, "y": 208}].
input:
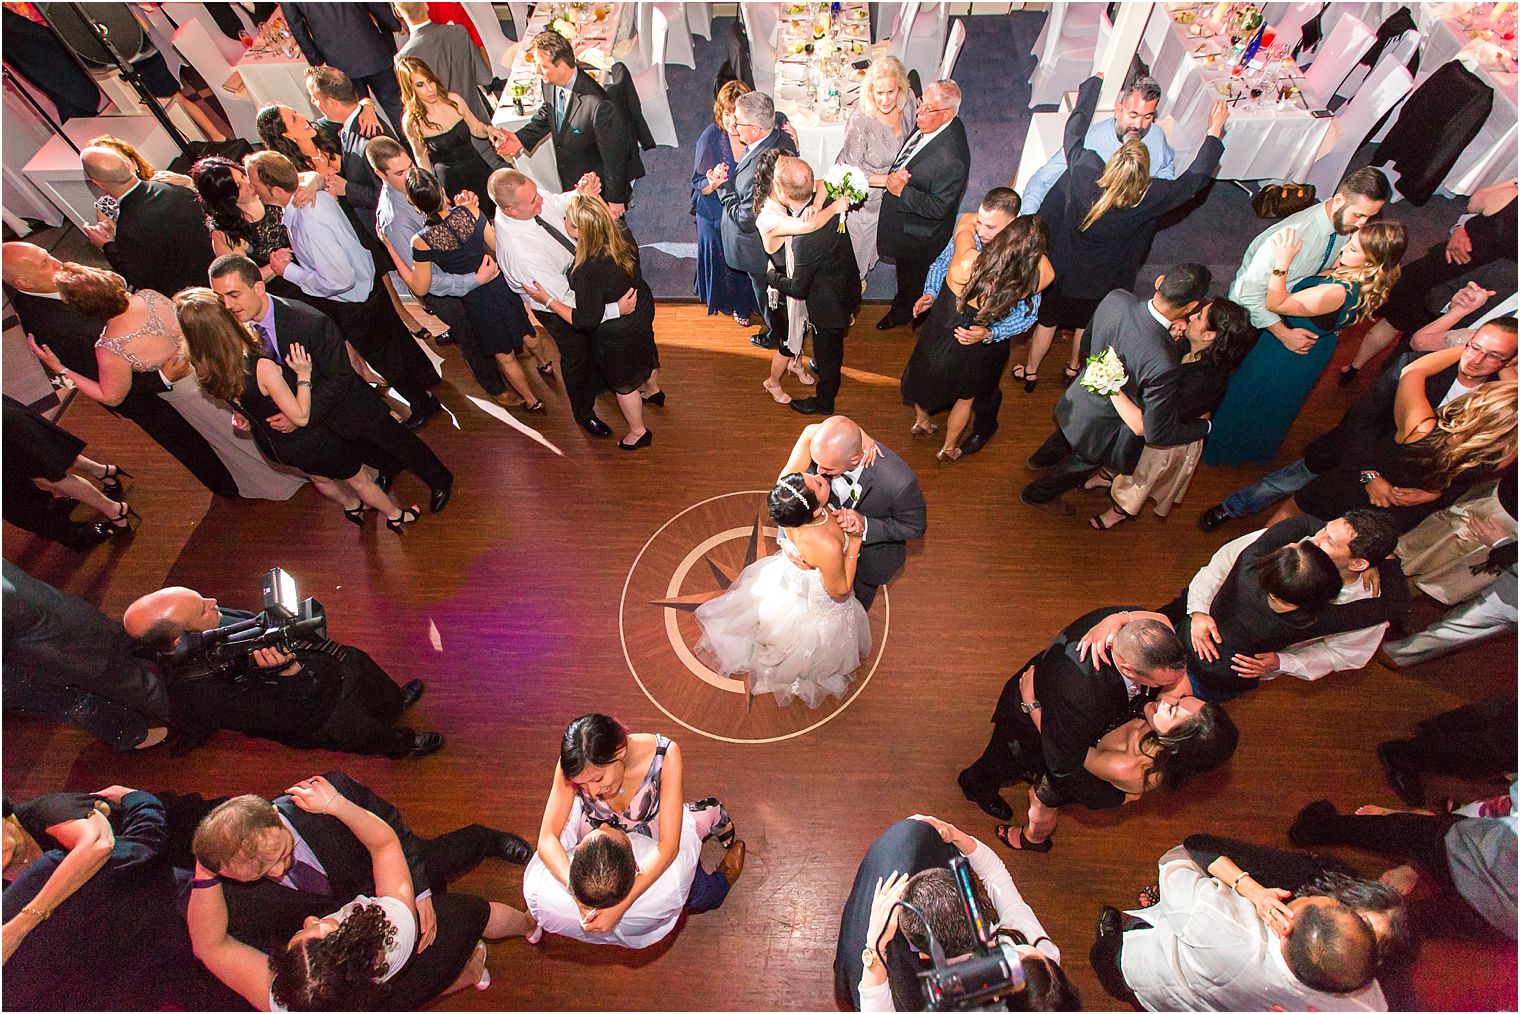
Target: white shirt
[
  {"x": 1308, "y": 660},
  {"x": 527, "y": 254},
  {"x": 649, "y": 919},
  {"x": 330, "y": 261},
  {"x": 402, "y": 945},
  {"x": 1013, "y": 913},
  {"x": 1315, "y": 232},
  {"x": 1208, "y": 950}
]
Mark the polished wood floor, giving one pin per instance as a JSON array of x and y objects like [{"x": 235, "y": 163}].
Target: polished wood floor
[{"x": 531, "y": 600}]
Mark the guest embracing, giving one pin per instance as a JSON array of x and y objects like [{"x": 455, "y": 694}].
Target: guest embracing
[
  {"x": 441, "y": 125},
  {"x": 606, "y": 266},
  {"x": 725, "y": 289},
  {"x": 873, "y": 136},
  {"x": 154, "y": 235},
  {"x": 239, "y": 221}
]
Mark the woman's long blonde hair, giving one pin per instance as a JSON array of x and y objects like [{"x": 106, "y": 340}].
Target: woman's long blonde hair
[
  {"x": 1475, "y": 433},
  {"x": 598, "y": 234},
  {"x": 1383, "y": 244},
  {"x": 1124, "y": 182},
  {"x": 218, "y": 342},
  {"x": 415, "y": 107}
]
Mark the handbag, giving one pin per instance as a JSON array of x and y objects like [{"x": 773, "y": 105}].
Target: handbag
[{"x": 1280, "y": 200}]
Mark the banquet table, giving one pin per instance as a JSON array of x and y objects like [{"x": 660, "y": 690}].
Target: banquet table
[
  {"x": 1269, "y": 137},
  {"x": 1459, "y": 31},
  {"x": 274, "y": 71},
  {"x": 820, "y": 127},
  {"x": 597, "y": 41}
]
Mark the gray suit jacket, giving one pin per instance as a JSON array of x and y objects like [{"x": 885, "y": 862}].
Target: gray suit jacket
[
  {"x": 448, "y": 50},
  {"x": 1153, "y": 363},
  {"x": 742, "y": 246},
  {"x": 893, "y": 506}
]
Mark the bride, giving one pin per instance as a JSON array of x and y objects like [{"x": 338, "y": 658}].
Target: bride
[{"x": 790, "y": 620}]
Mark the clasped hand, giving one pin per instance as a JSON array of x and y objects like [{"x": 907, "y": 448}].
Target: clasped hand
[{"x": 850, "y": 522}]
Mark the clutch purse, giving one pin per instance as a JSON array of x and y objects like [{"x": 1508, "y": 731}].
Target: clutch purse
[{"x": 1278, "y": 200}]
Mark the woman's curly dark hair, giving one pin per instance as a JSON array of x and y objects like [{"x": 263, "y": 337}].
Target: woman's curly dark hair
[
  {"x": 765, "y": 176},
  {"x": 1007, "y": 271},
  {"x": 340, "y": 971},
  {"x": 271, "y": 126}
]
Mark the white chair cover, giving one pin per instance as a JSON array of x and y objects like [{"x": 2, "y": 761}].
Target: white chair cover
[
  {"x": 1383, "y": 89},
  {"x": 200, "y": 50},
  {"x": 920, "y": 38},
  {"x": 232, "y": 49},
  {"x": 650, "y": 82},
  {"x": 952, "y": 49},
  {"x": 1065, "y": 50},
  {"x": 699, "y": 19},
  {"x": 1334, "y": 60},
  {"x": 639, "y": 52},
  {"x": 492, "y": 38},
  {"x": 678, "y": 48},
  {"x": 760, "y": 22},
  {"x": 520, "y": 14}
]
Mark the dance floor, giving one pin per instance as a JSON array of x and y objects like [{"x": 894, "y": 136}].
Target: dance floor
[{"x": 560, "y": 581}]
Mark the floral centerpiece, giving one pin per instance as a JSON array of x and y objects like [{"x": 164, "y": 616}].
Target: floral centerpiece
[{"x": 847, "y": 181}]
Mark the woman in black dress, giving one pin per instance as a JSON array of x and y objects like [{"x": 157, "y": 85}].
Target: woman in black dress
[
  {"x": 233, "y": 366},
  {"x": 1433, "y": 457},
  {"x": 241, "y": 223},
  {"x": 457, "y": 239},
  {"x": 607, "y": 261},
  {"x": 441, "y": 129},
  {"x": 1107, "y": 223},
  {"x": 39, "y": 453}
]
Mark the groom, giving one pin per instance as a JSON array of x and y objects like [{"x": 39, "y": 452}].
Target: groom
[{"x": 880, "y": 503}]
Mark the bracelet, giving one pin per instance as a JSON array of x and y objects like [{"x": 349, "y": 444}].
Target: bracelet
[
  {"x": 303, "y": 383},
  {"x": 40, "y": 913},
  {"x": 1236, "y": 885},
  {"x": 212, "y": 881}
]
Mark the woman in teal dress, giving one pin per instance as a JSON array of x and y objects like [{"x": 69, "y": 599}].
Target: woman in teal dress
[{"x": 1270, "y": 387}]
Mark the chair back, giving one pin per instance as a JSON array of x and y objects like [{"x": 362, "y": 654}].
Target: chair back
[
  {"x": 1384, "y": 88},
  {"x": 1334, "y": 61},
  {"x": 952, "y": 49},
  {"x": 678, "y": 48},
  {"x": 495, "y": 41},
  {"x": 699, "y": 19},
  {"x": 760, "y": 20}
]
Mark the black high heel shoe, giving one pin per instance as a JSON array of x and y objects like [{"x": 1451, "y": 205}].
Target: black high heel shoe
[
  {"x": 407, "y": 516},
  {"x": 118, "y": 526},
  {"x": 657, "y": 399},
  {"x": 643, "y": 441},
  {"x": 355, "y": 514},
  {"x": 110, "y": 484},
  {"x": 1030, "y": 380}
]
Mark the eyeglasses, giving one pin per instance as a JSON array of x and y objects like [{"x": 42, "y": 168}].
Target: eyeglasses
[
  {"x": 1492, "y": 357},
  {"x": 752, "y": 126},
  {"x": 934, "y": 109}
]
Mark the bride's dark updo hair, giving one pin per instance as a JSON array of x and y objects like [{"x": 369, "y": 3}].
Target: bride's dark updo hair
[{"x": 791, "y": 503}]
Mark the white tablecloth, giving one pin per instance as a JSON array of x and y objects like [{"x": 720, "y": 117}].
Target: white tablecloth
[
  {"x": 273, "y": 78},
  {"x": 819, "y": 140}
]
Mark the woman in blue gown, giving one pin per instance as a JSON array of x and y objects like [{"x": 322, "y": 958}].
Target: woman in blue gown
[
  {"x": 1271, "y": 386},
  {"x": 724, "y": 289}
]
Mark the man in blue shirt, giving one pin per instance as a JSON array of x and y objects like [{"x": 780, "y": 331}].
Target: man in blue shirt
[{"x": 1134, "y": 119}]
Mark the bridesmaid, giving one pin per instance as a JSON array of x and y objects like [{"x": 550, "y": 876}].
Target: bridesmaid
[
  {"x": 1272, "y": 384},
  {"x": 722, "y": 288}
]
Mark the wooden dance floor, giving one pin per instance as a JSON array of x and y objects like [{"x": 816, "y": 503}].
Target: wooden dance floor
[{"x": 560, "y": 581}]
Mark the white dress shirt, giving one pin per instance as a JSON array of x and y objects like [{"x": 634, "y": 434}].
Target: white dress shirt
[
  {"x": 1208, "y": 950},
  {"x": 527, "y": 254},
  {"x": 649, "y": 919},
  {"x": 330, "y": 262},
  {"x": 1013, "y": 913},
  {"x": 1308, "y": 660},
  {"x": 1314, "y": 231}
]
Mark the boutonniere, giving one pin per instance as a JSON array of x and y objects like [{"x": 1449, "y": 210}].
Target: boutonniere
[{"x": 855, "y": 492}]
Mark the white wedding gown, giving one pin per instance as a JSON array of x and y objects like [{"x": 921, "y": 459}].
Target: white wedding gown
[{"x": 777, "y": 623}]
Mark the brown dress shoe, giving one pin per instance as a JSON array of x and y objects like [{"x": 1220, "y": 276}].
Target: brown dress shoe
[{"x": 733, "y": 863}]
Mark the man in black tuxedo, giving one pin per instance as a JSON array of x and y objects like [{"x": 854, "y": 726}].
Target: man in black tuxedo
[
  {"x": 822, "y": 273},
  {"x": 908, "y": 846},
  {"x": 881, "y": 503},
  {"x": 925, "y": 185},
  {"x": 31, "y": 286},
  {"x": 1089, "y": 432},
  {"x": 755, "y": 116},
  {"x": 338, "y": 397},
  {"x": 358, "y": 39},
  {"x": 158, "y": 239},
  {"x": 590, "y": 133},
  {"x": 263, "y": 853}
]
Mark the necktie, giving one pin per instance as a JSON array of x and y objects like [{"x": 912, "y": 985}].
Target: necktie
[
  {"x": 266, "y": 341},
  {"x": 1329, "y": 246},
  {"x": 906, "y": 153},
  {"x": 559, "y": 107},
  {"x": 559, "y": 237},
  {"x": 308, "y": 878}
]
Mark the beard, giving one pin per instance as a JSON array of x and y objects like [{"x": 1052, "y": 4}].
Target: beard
[
  {"x": 1338, "y": 223},
  {"x": 1128, "y": 133}
]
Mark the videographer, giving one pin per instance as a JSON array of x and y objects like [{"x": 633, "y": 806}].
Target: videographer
[
  {"x": 932, "y": 890},
  {"x": 307, "y": 693}
]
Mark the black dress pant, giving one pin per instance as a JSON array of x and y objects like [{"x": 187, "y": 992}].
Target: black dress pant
[
  {"x": 984, "y": 412},
  {"x": 383, "y": 340},
  {"x": 450, "y": 310},
  {"x": 828, "y": 352},
  {"x": 1067, "y": 469},
  {"x": 1012, "y": 754},
  {"x": 576, "y": 365},
  {"x": 1406, "y": 309},
  {"x": 385, "y": 444},
  {"x": 912, "y": 271},
  {"x": 363, "y": 720},
  {"x": 387, "y": 92}
]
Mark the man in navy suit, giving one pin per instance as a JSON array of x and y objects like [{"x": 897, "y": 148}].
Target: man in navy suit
[{"x": 356, "y": 38}]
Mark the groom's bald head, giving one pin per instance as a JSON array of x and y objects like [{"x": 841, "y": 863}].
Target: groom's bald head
[{"x": 836, "y": 445}]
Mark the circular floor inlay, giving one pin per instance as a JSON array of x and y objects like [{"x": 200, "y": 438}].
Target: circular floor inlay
[{"x": 692, "y": 558}]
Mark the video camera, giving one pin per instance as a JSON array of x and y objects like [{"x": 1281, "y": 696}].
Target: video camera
[
  {"x": 225, "y": 650},
  {"x": 981, "y": 980}
]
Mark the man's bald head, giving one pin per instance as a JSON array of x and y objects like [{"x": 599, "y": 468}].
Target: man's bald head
[
  {"x": 794, "y": 178},
  {"x": 836, "y": 445},
  {"x": 28, "y": 267},
  {"x": 159, "y": 618},
  {"x": 107, "y": 169}
]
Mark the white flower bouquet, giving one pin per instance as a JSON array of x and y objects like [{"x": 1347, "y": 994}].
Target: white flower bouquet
[
  {"x": 1105, "y": 374},
  {"x": 850, "y": 181},
  {"x": 565, "y": 27}
]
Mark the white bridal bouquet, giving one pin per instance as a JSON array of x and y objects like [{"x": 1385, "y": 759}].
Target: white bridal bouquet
[
  {"x": 1105, "y": 374},
  {"x": 847, "y": 181}
]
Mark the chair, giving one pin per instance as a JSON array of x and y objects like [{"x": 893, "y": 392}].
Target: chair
[
  {"x": 1383, "y": 89},
  {"x": 650, "y": 82},
  {"x": 495, "y": 41},
  {"x": 919, "y": 41},
  {"x": 678, "y": 41},
  {"x": 520, "y": 14},
  {"x": 638, "y": 52},
  {"x": 232, "y": 49},
  {"x": 1064, "y": 51},
  {"x": 760, "y": 21},
  {"x": 1335, "y": 60},
  {"x": 952, "y": 49},
  {"x": 1289, "y": 26},
  {"x": 699, "y": 19},
  {"x": 195, "y": 44}
]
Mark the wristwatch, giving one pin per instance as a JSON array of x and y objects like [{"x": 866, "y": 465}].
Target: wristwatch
[
  {"x": 1367, "y": 476},
  {"x": 1282, "y": 272},
  {"x": 1030, "y": 707},
  {"x": 869, "y": 959}
]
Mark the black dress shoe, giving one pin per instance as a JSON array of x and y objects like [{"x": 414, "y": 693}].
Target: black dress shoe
[
  {"x": 1214, "y": 517},
  {"x": 422, "y": 413},
  {"x": 975, "y": 442},
  {"x": 384, "y": 480},
  {"x": 991, "y": 804},
  {"x": 1308, "y": 827},
  {"x": 411, "y": 693},
  {"x": 1406, "y": 782},
  {"x": 764, "y": 340},
  {"x": 440, "y": 497},
  {"x": 657, "y": 399},
  {"x": 890, "y": 321},
  {"x": 596, "y": 427},
  {"x": 812, "y": 364},
  {"x": 447, "y": 338},
  {"x": 424, "y": 743},
  {"x": 809, "y": 406},
  {"x": 511, "y": 847}
]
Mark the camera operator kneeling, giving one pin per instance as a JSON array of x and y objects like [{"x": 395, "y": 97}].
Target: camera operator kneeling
[{"x": 317, "y": 694}]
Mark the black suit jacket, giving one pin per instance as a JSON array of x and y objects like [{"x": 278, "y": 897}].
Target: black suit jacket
[
  {"x": 338, "y": 397},
  {"x": 742, "y": 247},
  {"x": 356, "y": 38},
  {"x": 162, "y": 242},
  {"x": 361, "y": 185},
  {"x": 908, "y": 846},
  {"x": 264, "y": 909},
  {"x": 594, "y": 138},
  {"x": 824, "y": 264},
  {"x": 1151, "y": 360},
  {"x": 921, "y": 219}
]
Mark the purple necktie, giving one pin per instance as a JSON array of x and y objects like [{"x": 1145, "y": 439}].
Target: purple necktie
[
  {"x": 305, "y": 877},
  {"x": 267, "y": 341}
]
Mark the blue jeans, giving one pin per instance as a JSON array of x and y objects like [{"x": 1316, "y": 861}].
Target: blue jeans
[
  {"x": 707, "y": 891},
  {"x": 1265, "y": 492},
  {"x": 117, "y": 726}
]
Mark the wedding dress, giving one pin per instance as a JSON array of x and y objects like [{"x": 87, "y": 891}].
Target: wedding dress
[{"x": 778, "y": 624}]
